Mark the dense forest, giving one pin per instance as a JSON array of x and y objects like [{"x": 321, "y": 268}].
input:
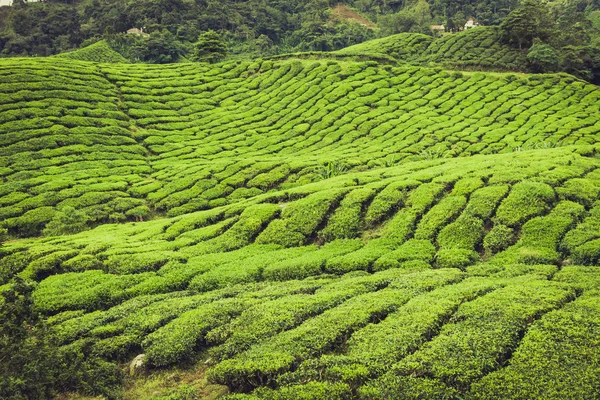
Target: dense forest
[{"x": 563, "y": 34}]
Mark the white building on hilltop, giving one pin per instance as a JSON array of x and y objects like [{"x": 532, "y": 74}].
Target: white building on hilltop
[{"x": 471, "y": 23}]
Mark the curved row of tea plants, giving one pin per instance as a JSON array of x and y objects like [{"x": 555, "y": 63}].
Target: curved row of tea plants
[
  {"x": 479, "y": 48},
  {"x": 123, "y": 142},
  {"x": 65, "y": 142},
  {"x": 403, "y": 46},
  {"x": 298, "y": 290}
]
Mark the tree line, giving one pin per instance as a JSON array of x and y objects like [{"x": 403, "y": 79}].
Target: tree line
[{"x": 560, "y": 35}]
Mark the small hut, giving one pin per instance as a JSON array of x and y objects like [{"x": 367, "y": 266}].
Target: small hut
[{"x": 136, "y": 31}]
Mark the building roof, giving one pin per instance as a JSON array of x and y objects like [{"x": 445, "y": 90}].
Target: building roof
[{"x": 136, "y": 31}]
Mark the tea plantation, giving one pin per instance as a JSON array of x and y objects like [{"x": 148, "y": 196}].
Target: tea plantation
[
  {"x": 479, "y": 49},
  {"x": 310, "y": 229}
]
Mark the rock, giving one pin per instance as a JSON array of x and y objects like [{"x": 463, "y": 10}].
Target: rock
[{"x": 138, "y": 365}]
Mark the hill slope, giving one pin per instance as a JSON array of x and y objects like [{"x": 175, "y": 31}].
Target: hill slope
[
  {"x": 289, "y": 288},
  {"x": 99, "y": 52},
  {"x": 187, "y": 137},
  {"x": 479, "y": 49},
  {"x": 333, "y": 230}
]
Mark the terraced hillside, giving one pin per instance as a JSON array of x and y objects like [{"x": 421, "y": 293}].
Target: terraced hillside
[
  {"x": 466, "y": 261},
  {"x": 478, "y": 49},
  {"x": 99, "y": 52},
  {"x": 403, "y": 46},
  {"x": 313, "y": 229},
  {"x": 185, "y": 137}
]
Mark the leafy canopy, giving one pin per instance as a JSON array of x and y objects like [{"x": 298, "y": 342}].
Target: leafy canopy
[{"x": 209, "y": 48}]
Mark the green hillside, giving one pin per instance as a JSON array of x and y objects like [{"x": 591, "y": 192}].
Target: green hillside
[
  {"x": 478, "y": 49},
  {"x": 126, "y": 141},
  {"x": 304, "y": 229},
  {"x": 99, "y": 52},
  {"x": 403, "y": 46}
]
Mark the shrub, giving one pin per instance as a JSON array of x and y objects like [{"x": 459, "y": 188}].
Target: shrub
[
  {"x": 400, "y": 227},
  {"x": 483, "y": 201},
  {"x": 300, "y": 219},
  {"x": 580, "y": 190},
  {"x": 138, "y": 262},
  {"x": 455, "y": 258},
  {"x": 260, "y": 364},
  {"x": 34, "y": 366},
  {"x": 311, "y": 263},
  {"x": 407, "y": 387},
  {"x": 411, "y": 250},
  {"x": 345, "y": 223},
  {"x": 498, "y": 239},
  {"x": 464, "y": 233},
  {"x": 587, "y": 254},
  {"x": 469, "y": 345},
  {"x": 308, "y": 391},
  {"x": 526, "y": 200},
  {"x": 556, "y": 349},
  {"x": 445, "y": 210},
  {"x": 361, "y": 259},
  {"x": 388, "y": 199},
  {"x": 178, "y": 338},
  {"x": 66, "y": 221},
  {"x": 82, "y": 262}
]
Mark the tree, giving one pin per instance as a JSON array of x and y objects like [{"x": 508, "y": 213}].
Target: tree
[
  {"x": 162, "y": 47},
  {"x": 209, "y": 48},
  {"x": 264, "y": 45},
  {"x": 66, "y": 222},
  {"x": 542, "y": 57},
  {"x": 33, "y": 366},
  {"x": 530, "y": 21}
]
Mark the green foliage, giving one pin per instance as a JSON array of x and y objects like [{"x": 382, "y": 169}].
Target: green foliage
[
  {"x": 216, "y": 239},
  {"x": 300, "y": 219},
  {"x": 498, "y": 238},
  {"x": 346, "y": 221},
  {"x": 209, "y": 48},
  {"x": 97, "y": 52},
  {"x": 33, "y": 366},
  {"x": 65, "y": 222},
  {"x": 469, "y": 345},
  {"x": 525, "y": 200},
  {"x": 330, "y": 170},
  {"x": 558, "y": 346},
  {"x": 464, "y": 233},
  {"x": 260, "y": 363},
  {"x": 481, "y": 48},
  {"x": 529, "y": 21},
  {"x": 411, "y": 250},
  {"x": 311, "y": 263},
  {"x": 542, "y": 57},
  {"x": 439, "y": 215},
  {"x": 455, "y": 258},
  {"x": 401, "y": 46}
]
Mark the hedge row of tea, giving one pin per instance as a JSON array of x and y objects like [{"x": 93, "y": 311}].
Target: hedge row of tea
[
  {"x": 123, "y": 142},
  {"x": 480, "y": 49},
  {"x": 445, "y": 278}
]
